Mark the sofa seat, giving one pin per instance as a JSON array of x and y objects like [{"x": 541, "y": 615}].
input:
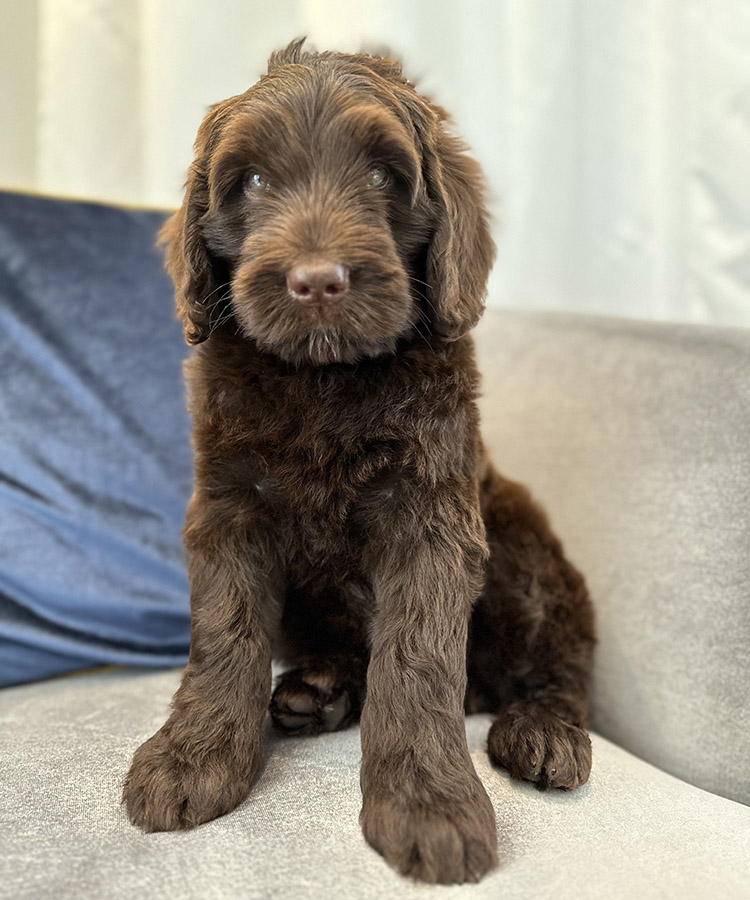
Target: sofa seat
[{"x": 632, "y": 832}]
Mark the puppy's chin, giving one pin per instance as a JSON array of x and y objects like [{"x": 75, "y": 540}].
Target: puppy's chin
[{"x": 326, "y": 346}]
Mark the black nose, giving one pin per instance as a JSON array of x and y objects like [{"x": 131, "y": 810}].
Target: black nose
[{"x": 318, "y": 283}]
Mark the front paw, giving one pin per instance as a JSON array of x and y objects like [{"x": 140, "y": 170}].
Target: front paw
[
  {"x": 537, "y": 746},
  {"x": 166, "y": 790},
  {"x": 443, "y": 841}
]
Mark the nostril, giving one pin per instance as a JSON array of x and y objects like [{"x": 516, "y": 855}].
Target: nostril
[{"x": 318, "y": 281}]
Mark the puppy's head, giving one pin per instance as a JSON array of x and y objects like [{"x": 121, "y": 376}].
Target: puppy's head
[{"x": 329, "y": 213}]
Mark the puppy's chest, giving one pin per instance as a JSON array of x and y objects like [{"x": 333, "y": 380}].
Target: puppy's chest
[
  {"x": 322, "y": 476},
  {"x": 314, "y": 460},
  {"x": 331, "y": 450}
]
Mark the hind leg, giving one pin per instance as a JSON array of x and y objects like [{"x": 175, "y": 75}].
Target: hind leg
[
  {"x": 531, "y": 645},
  {"x": 323, "y": 639}
]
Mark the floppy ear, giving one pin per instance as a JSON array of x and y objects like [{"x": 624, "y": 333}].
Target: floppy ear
[
  {"x": 188, "y": 260},
  {"x": 461, "y": 251}
]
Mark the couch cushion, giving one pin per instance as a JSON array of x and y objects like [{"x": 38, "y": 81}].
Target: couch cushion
[
  {"x": 65, "y": 745},
  {"x": 636, "y": 437},
  {"x": 95, "y": 463}
]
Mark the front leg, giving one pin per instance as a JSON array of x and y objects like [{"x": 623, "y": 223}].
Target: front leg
[
  {"x": 424, "y": 808},
  {"x": 201, "y": 763}
]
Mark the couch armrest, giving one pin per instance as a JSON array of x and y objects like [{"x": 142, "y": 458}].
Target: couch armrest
[{"x": 636, "y": 438}]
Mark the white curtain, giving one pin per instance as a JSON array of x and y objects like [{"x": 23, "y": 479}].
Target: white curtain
[{"x": 615, "y": 136}]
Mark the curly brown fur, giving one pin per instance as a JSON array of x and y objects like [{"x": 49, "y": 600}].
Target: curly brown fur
[{"x": 329, "y": 259}]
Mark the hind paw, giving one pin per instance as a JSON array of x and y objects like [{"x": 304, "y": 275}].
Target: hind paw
[
  {"x": 308, "y": 701},
  {"x": 540, "y": 747}
]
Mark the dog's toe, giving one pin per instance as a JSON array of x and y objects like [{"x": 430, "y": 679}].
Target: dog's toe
[
  {"x": 440, "y": 840},
  {"x": 542, "y": 748},
  {"x": 307, "y": 702}
]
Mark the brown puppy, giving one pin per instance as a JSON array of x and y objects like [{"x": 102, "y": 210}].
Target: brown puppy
[{"x": 329, "y": 259}]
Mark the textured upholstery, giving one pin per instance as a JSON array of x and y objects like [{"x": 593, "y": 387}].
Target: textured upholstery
[
  {"x": 632, "y": 833},
  {"x": 636, "y": 437},
  {"x": 95, "y": 462}
]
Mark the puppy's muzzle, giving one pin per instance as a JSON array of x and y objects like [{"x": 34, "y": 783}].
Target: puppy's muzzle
[{"x": 320, "y": 284}]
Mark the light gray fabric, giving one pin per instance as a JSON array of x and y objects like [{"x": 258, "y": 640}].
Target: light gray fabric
[
  {"x": 631, "y": 832},
  {"x": 636, "y": 438}
]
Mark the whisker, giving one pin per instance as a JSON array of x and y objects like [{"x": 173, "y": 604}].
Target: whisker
[
  {"x": 217, "y": 305},
  {"x": 224, "y": 317},
  {"x": 205, "y": 300},
  {"x": 421, "y": 294}
]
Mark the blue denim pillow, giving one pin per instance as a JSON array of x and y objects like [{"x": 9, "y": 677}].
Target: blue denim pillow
[{"x": 95, "y": 461}]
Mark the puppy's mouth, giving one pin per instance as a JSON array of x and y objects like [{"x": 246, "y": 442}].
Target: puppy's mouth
[{"x": 367, "y": 320}]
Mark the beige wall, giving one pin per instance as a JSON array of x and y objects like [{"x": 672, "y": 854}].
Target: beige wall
[{"x": 18, "y": 92}]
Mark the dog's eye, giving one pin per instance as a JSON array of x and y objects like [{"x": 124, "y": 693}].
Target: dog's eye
[
  {"x": 254, "y": 181},
  {"x": 379, "y": 176}
]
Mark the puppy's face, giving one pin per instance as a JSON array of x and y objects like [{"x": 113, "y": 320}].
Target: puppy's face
[
  {"x": 318, "y": 213},
  {"x": 314, "y": 210}
]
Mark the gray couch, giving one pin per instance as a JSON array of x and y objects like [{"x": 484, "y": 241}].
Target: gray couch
[{"x": 636, "y": 437}]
